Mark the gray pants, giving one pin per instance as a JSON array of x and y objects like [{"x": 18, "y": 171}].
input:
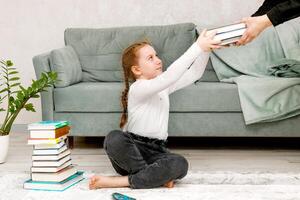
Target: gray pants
[{"x": 147, "y": 162}]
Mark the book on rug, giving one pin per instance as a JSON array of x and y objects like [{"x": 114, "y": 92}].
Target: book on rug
[
  {"x": 49, "y": 151},
  {"x": 230, "y": 33},
  {"x": 47, "y": 125},
  {"x": 52, "y": 157},
  {"x": 54, "y": 176},
  {"x": 50, "y": 146},
  {"x": 32, "y": 141},
  {"x": 51, "y": 169},
  {"x": 50, "y": 163},
  {"x": 54, "y": 186},
  {"x": 50, "y": 133}
]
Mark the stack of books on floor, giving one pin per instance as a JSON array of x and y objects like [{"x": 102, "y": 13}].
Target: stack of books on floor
[
  {"x": 52, "y": 168},
  {"x": 230, "y": 33}
]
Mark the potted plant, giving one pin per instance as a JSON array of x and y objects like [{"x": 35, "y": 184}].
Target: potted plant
[{"x": 17, "y": 97}]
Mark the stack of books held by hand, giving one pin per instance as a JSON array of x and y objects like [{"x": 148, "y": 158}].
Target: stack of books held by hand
[
  {"x": 51, "y": 160},
  {"x": 230, "y": 33}
]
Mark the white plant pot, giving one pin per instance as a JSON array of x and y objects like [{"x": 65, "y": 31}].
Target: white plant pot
[{"x": 4, "y": 143}]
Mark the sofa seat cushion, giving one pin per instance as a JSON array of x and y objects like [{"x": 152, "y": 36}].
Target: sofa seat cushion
[{"x": 105, "y": 97}]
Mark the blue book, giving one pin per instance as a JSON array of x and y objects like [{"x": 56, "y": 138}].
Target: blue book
[
  {"x": 54, "y": 186},
  {"x": 50, "y": 124}
]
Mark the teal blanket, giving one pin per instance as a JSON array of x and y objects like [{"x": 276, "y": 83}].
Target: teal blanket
[{"x": 267, "y": 73}]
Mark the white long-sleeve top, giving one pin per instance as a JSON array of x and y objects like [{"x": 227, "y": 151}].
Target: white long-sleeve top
[{"x": 148, "y": 100}]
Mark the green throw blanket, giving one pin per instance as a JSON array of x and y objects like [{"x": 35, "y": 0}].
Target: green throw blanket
[{"x": 267, "y": 73}]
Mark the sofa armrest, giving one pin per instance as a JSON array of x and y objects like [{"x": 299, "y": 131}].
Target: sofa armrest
[{"x": 41, "y": 64}]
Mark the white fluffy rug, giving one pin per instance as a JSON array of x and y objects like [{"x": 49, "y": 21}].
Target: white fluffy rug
[{"x": 196, "y": 185}]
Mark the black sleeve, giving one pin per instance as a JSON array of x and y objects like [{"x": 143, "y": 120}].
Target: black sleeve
[{"x": 279, "y": 11}]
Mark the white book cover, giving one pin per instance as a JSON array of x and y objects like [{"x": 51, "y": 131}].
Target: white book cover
[
  {"x": 49, "y": 151},
  {"x": 50, "y": 133},
  {"x": 50, "y": 146},
  {"x": 51, "y": 169},
  {"x": 52, "y": 157},
  {"x": 54, "y": 177},
  {"x": 229, "y": 35},
  {"x": 55, "y": 163},
  {"x": 228, "y": 28}
]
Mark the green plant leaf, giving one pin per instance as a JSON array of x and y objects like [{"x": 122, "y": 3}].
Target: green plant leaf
[
  {"x": 26, "y": 92},
  {"x": 11, "y": 99},
  {"x": 20, "y": 95},
  {"x": 12, "y": 108},
  {"x": 13, "y": 72},
  {"x": 14, "y": 79},
  {"x": 9, "y": 63},
  {"x": 4, "y": 68},
  {"x": 29, "y": 89},
  {"x": 4, "y": 71},
  {"x": 29, "y": 107},
  {"x": 17, "y": 103},
  {"x": 5, "y": 89},
  {"x": 15, "y": 84}
]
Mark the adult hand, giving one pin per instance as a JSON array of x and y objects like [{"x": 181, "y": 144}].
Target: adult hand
[{"x": 255, "y": 25}]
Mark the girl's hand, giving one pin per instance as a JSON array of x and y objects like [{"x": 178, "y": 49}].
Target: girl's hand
[{"x": 206, "y": 41}]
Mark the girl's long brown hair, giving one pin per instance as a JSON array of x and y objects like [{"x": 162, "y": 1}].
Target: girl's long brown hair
[{"x": 129, "y": 59}]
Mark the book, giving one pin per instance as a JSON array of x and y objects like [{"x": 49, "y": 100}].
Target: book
[
  {"x": 54, "y": 186},
  {"x": 51, "y": 163},
  {"x": 54, "y": 133},
  {"x": 49, "y": 151},
  {"x": 230, "y": 33},
  {"x": 51, "y": 169},
  {"x": 50, "y": 124},
  {"x": 51, "y": 157},
  {"x": 54, "y": 177},
  {"x": 33, "y": 141},
  {"x": 49, "y": 146}
]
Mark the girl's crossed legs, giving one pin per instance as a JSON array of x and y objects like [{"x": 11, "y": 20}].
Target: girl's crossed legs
[{"x": 141, "y": 164}]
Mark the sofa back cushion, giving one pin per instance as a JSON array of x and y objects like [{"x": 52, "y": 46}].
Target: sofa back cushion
[
  {"x": 100, "y": 50},
  {"x": 67, "y": 65}
]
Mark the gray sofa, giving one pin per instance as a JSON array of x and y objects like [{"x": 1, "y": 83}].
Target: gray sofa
[{"x": 89, "y": 97}]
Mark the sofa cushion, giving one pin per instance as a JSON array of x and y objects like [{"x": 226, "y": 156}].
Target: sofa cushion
[
  {"x": 209, "y": 74},
  {"x": 100, "y": 50},
  {"x": 105, "y": 97},
  {"x": 66, "y": 63}
]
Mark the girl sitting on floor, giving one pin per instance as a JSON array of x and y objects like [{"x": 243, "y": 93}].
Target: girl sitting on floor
[{"x": 138, "y": 152}]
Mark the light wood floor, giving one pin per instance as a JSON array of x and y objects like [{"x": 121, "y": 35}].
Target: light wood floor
[{"x": 215, "y": 154}]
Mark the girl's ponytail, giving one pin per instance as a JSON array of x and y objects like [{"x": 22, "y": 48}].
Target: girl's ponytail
[
  {"x": 129, "y": 59},
  {"x": 124, "y": 100}
]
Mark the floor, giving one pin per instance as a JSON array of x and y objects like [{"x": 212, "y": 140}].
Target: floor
[{"x": 204, "y": 154}]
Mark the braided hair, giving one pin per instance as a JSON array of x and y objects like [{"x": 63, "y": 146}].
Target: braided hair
[{"x": 129, "y": 59}]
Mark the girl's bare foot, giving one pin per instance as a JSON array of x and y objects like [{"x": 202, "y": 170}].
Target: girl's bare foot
[
  {"x": 169, "y": 184},
  {"x": 97, "y": 182}
]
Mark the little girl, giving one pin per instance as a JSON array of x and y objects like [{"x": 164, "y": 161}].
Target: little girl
[{"x": 138, "y": 152}]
